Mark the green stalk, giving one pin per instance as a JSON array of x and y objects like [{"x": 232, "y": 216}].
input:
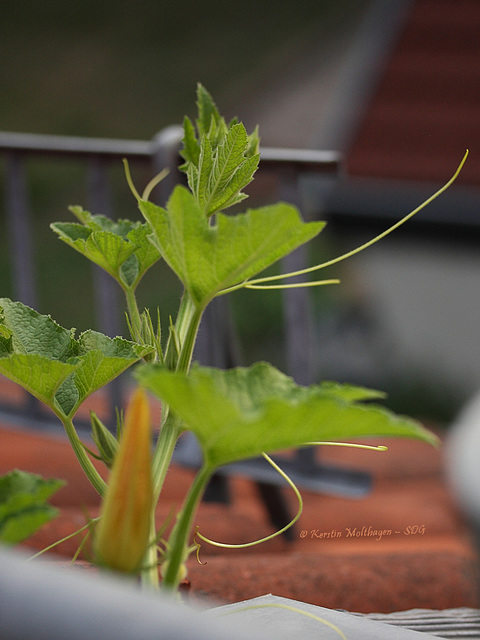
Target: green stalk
[
  {"x": 133, "y": 312},
  {"x": 162, "y": 455},
  {"x": 187, "y": 325},
  {"x": 177, "y": 543},
  {"x": 188, "y": 322},
  {"x": 149, "y": 574},
  {"x": 89, "y": 469}
]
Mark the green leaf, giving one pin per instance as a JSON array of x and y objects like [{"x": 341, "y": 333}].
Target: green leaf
[
  {"x": 33, "y": 333},
  {"x": 205, "y": 167},
  {"x": 191, "y": 147},
  {"x": 209, "y": 258},
  {"x": 107, "y": 250},
  {"x": 23, "y": 507},
  {"x": 351, "y": 392},
  {"x": 253, "y": 146},
  {"x": 102, "y": 223},
  {"x": 37, "y": 351},
  {"x": 221, "y": 173},
  {"x": 239, "y": 413},
  {"x": 230, "y": 171},
  {"x": 209, "y": 118},
  {"x": 145, "y": 256},
  {"x": 49, "y": 362},
  {"x": 40, "y": 376},
  {"x": 222, "y": 162},
  {"x": 101, "y": 360},
  {"x": 121, "y": 248}
]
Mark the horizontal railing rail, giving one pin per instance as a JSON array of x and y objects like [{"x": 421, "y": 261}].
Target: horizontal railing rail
[
  {"x": 303, "y": 160},
  {"x": 159, "y": 152}
]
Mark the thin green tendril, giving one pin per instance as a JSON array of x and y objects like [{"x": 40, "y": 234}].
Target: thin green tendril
[
  {"x": 289, "y": 608},
  {"x": 298, "y": 285},
  {"x": 224, "y": 545},
  {"x": 380, "y": 447},
  {"x": 370, "y": 242},
  {"x": 153, "y": 183},
  {"x": 71, "y": 535},
  {"x": 150, "y": 186},
  {"x": 130, "y": 181}
]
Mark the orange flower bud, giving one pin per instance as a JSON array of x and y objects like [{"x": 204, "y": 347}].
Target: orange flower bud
[{"x": 122, "y": 535}]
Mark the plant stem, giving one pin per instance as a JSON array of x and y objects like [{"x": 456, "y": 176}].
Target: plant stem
[
  {"x": 149, "y": 575},
  {"x": 188, "y": 322},
  {"x": 134, "y": 313},
  {"x": 89, "y": 469},
  {"x": 179, "y": 537},
  {"x": 162, "y": 456}
]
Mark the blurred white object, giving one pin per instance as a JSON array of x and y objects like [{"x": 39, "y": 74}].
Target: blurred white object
[{"x": 463, "y": 459}]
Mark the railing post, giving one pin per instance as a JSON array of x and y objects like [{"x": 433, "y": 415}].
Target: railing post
[
  {"x": 300, "y": 336},
  {"x": 300, "y": 339},
  {"x": 19, "y": 231},
  {"x": 165, "y": 154},
  {"x": 105, "y": 289}
]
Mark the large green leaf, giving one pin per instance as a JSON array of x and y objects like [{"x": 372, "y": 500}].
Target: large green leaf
[
  {"x": 101, "y": 360},
  {"x": 28, "y": 332},
  {"x": 241, "y": 412},
  {"x": 23, "y": 506},
  {"x": 209, "y": 258},
  {"x": 49, "y": 362},
  {"x": 40, "y": 376},
  {"x": 121, "y": 248},
  {"x": 35, "y": 351}
]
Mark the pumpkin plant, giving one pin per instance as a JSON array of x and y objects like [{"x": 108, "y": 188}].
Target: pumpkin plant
[{"x": 235, "y": 414}]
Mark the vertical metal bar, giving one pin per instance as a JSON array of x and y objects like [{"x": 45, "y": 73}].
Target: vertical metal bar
[
  {"x": 298, "y": 325},
  {"x": 105, "y": 289},
  {"x": 165, "y": 154},
  {"x": 300, "y": 338},
  {"x": 19, "y": 229}
]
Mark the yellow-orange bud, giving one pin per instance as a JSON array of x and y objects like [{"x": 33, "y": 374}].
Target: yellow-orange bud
[{"x": 122, "y": 535}]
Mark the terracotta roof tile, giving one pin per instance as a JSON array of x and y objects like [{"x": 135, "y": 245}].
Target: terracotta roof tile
[{"x": 426, "y": 108}]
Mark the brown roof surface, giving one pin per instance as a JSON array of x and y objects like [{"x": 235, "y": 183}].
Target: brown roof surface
[
  {"x": 430, "y": 563},
  {"x": 426, "y": 108}
]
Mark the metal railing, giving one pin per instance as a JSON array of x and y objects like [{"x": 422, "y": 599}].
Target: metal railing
[
  {"x": 162, "y": 151},
  {"x": 216, "y": 338}
]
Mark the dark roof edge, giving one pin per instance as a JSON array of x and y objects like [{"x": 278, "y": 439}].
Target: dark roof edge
[
  {"x": 369, "y": 202},
  {"x": 365, "y": 62}
]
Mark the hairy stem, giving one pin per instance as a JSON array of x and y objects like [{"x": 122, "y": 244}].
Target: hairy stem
[
  {"x": 162, "y": 455},
  {"x": 178, "y": 541},
  {"x": 87, "y": 465},
  {"x": 133, "y": 312},
  {"x": 187, "y": 326},
  {"x": 149, "y": 574}
]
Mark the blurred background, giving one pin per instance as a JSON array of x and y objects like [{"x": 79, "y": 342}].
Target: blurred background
[{"x": 393, "y": 85}]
